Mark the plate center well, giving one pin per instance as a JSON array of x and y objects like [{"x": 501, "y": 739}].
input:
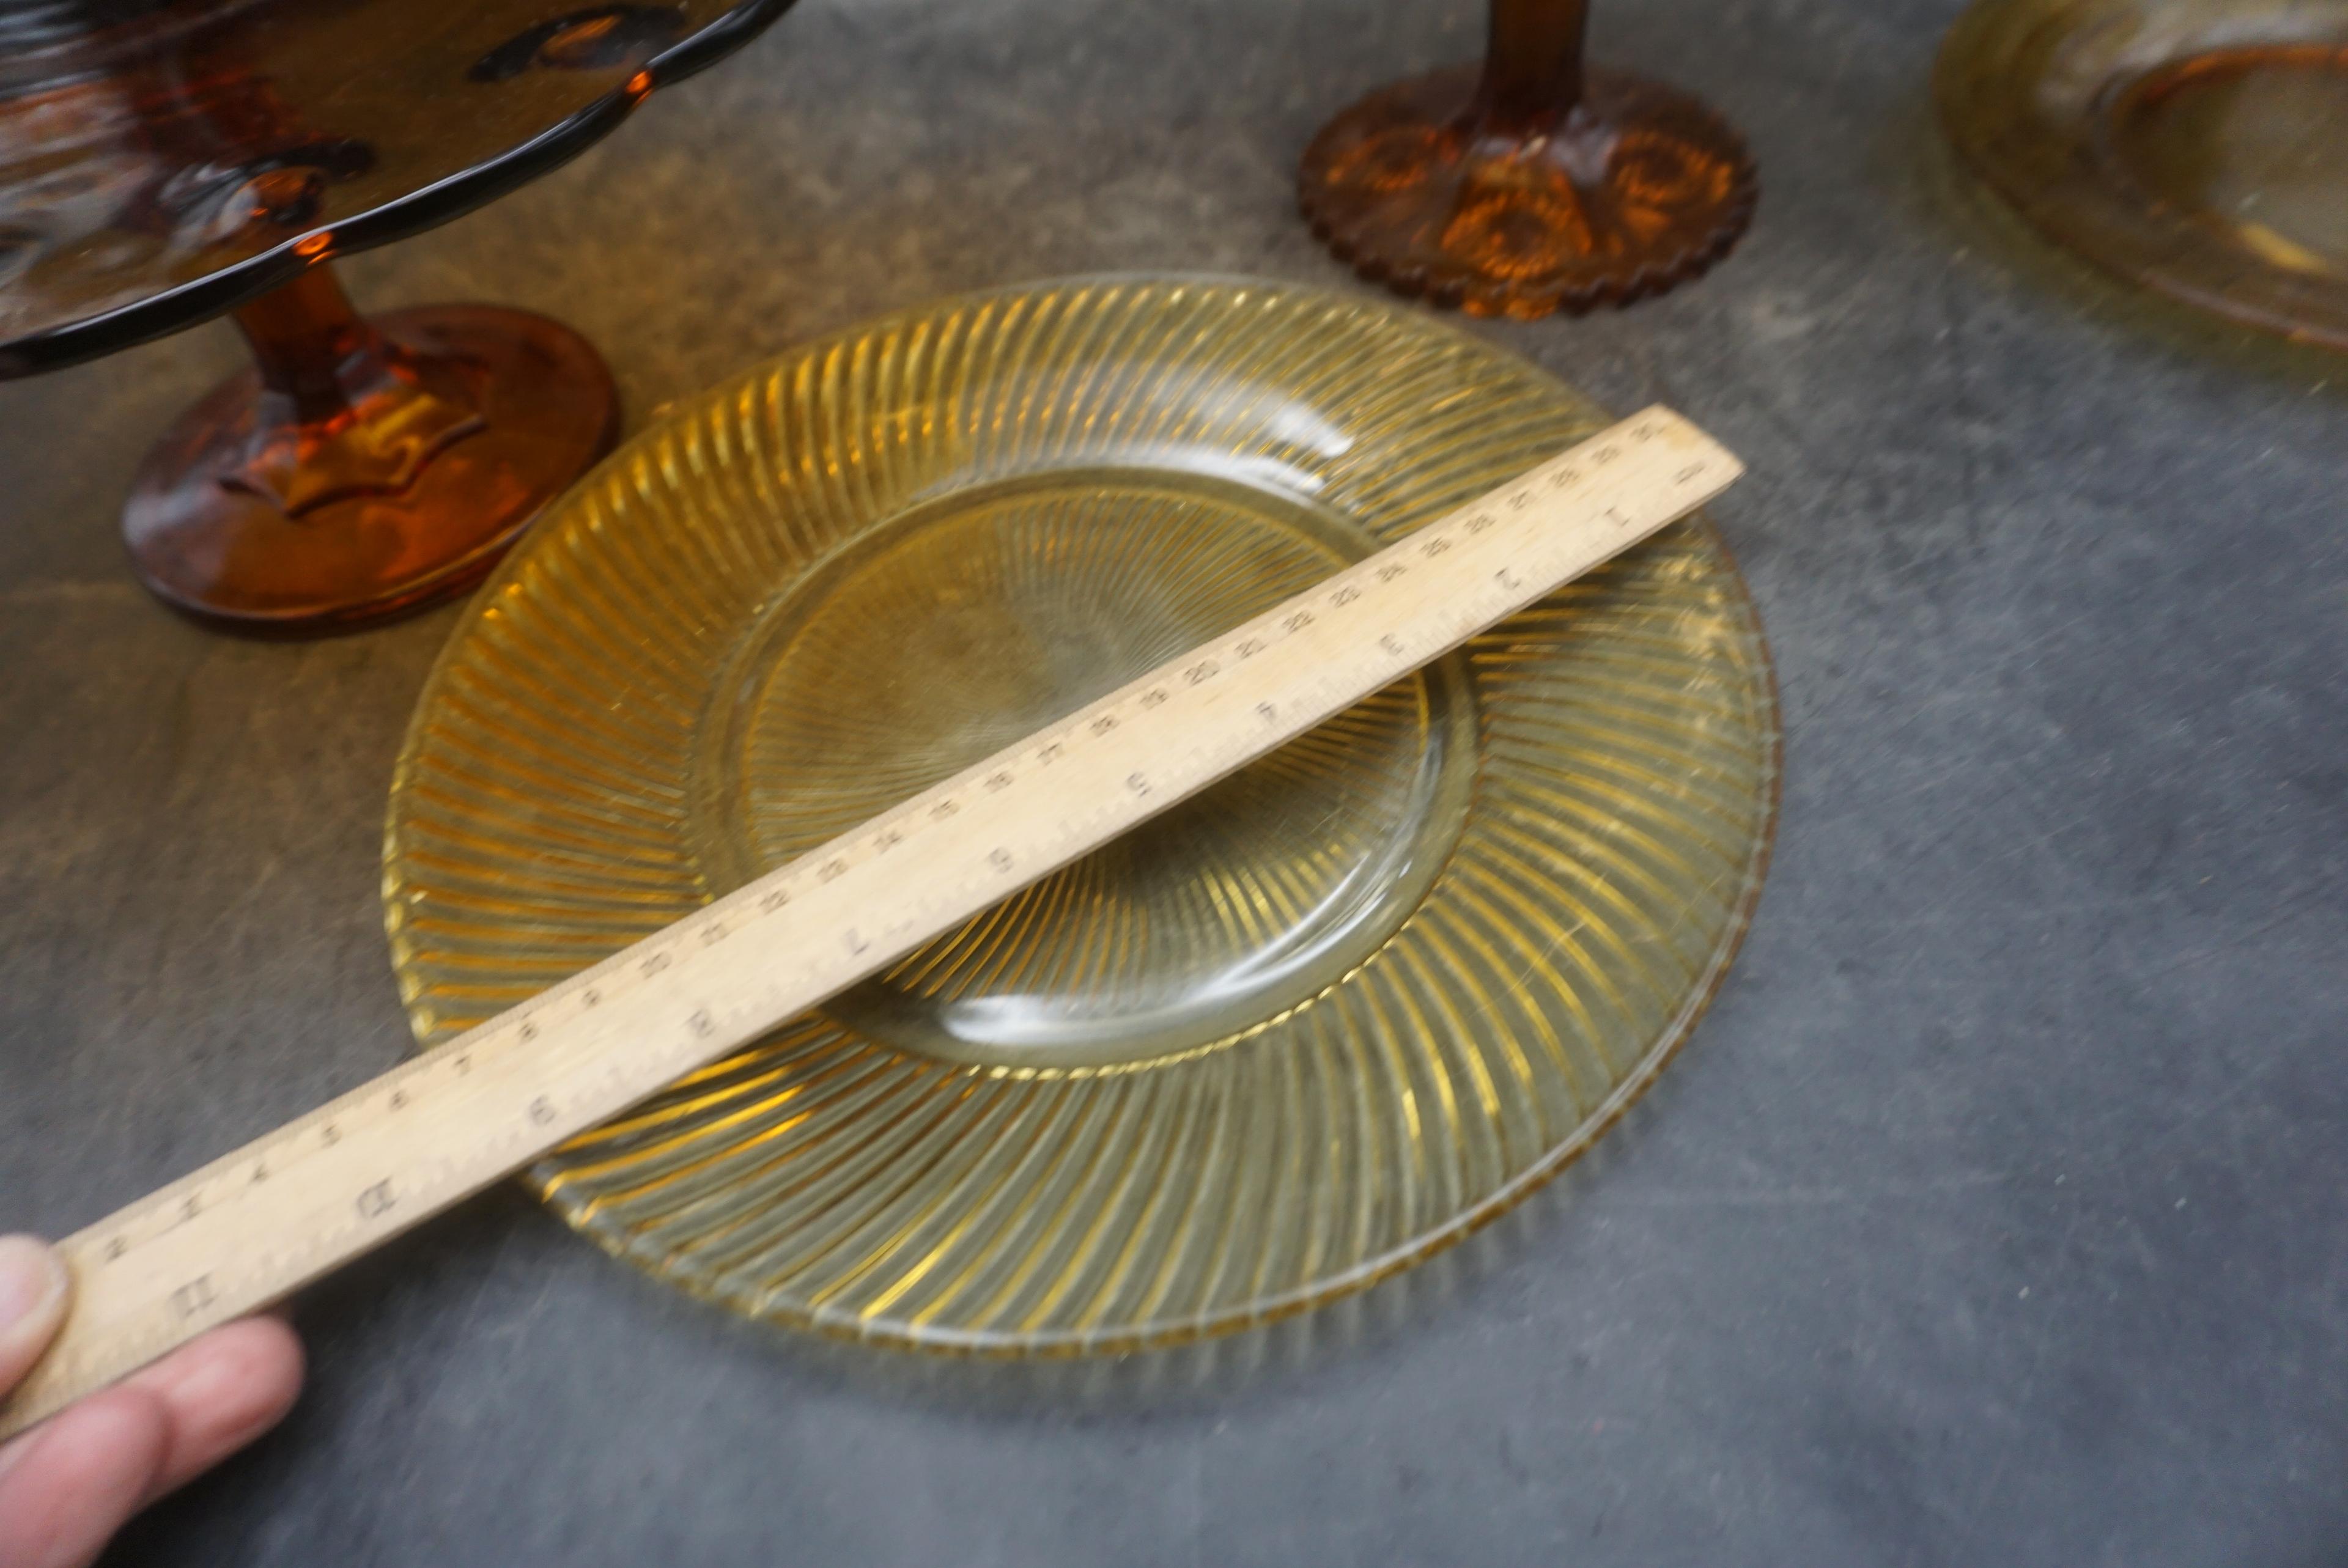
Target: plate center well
[
  {"x": 951, "y": 629},
  {"x": 2249, "y": 140}
]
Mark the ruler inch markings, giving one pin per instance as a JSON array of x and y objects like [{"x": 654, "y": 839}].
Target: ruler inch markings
[{"x": 252, "y": 1227}]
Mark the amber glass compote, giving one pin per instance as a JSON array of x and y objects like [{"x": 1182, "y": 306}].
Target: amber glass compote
[
  {"x": 1531, "y": 183},
  {"x": 163, "y": 161}
]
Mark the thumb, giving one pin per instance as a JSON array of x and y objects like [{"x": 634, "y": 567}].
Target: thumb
[{"x": 33, "y": 1290}]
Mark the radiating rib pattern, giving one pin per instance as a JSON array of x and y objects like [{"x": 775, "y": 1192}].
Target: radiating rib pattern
[{"x": 1552, "y": 844}]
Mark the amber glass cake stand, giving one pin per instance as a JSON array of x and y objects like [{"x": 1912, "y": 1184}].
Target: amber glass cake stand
[
  {"x": 2197, "y": 148},
  {"x": 164, "y": 163},
  {"x": 1530, "y": 184}
]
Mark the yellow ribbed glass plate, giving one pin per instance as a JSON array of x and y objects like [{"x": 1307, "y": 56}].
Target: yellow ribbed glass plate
[{"x": 1286, "y": 1039}]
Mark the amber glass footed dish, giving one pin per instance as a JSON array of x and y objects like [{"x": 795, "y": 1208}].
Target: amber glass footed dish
[
  {"x": 161, "y": 163},
  {"x": 2196, "y": 147},
  {"x": 1531, "y": 184}
]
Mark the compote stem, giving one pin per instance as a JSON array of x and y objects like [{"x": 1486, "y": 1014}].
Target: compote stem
[{"x": 1532, "y": 67}]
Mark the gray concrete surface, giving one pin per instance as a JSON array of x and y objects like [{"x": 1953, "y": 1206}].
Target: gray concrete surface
[{"x": 1996, "y": 1214}]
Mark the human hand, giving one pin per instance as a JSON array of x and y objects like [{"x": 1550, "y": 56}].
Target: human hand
[{"x": 68, "y": 1485}]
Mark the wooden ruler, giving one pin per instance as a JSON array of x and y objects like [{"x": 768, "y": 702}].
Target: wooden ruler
[{"x": 250, "y": 1228}]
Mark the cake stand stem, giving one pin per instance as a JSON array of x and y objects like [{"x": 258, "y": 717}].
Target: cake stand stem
[{"x": 362, "y": 467}]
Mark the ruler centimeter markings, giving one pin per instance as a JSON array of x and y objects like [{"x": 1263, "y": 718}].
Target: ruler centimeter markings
[{"x": 249, "y": 1229}]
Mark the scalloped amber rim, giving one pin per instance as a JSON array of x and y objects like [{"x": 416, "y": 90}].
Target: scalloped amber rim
[{"x": 1451, "y": 284}]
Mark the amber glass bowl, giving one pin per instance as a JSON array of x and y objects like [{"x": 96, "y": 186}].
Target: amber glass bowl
[
  {"x": 1293, "y": 1035},
  {"x": 2199, "y": 148}
]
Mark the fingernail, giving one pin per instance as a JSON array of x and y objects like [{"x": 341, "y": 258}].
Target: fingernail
[{"x": 32, "y": 1285}]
